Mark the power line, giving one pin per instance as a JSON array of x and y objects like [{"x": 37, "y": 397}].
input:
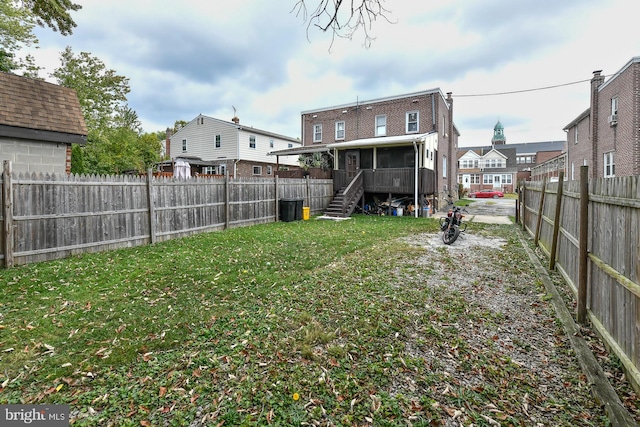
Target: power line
[{"x": 523, "y": 90}]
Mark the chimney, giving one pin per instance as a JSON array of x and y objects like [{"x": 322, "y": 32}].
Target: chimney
[
  {"x": 235, "y": 120},
  {"x": 167, "y": 148},
  {"x": 596, "y": 82}
]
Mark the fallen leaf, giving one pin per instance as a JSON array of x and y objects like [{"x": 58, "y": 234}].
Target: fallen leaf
[{"x": 163, "y": 391}]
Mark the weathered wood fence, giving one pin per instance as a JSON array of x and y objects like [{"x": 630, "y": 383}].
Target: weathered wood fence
[
  {"x": 47, "y": 217},
  {"x": 590, "y": 229}
]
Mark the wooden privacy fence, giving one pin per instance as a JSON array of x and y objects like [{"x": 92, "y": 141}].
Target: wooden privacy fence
[
  {"x": 590, "y": 229},
  {"x": 47, "y": 217}
]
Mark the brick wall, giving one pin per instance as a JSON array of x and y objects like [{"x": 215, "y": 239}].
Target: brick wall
[{"x": 623, "y": 137}]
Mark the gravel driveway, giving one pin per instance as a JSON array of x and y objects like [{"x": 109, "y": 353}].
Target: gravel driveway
[{"x": 519, "y": 329}]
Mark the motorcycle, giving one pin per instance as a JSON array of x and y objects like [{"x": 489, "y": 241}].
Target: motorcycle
[{"x": 451, "y": 225}]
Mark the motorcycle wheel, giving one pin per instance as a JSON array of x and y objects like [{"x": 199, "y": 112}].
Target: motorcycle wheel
[{"x": 449, "y": 236}]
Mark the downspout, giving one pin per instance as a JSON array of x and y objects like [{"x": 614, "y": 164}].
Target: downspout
[{"x": 415, "y": 184}]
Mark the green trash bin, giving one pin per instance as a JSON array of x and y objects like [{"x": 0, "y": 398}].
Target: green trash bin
[{"x": 287, "y": 210}]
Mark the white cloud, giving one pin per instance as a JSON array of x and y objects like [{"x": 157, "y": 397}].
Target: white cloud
[{"x": 204, "y": 56}]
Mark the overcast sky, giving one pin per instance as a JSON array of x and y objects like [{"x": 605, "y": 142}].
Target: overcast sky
[{"x": 189, "y": 57}]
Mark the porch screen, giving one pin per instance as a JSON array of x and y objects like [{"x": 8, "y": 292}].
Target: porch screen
[{"x": 395, "y": 157}]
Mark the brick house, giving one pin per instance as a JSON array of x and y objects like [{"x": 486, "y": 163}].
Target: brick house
[
  {"x": 403, "y": 145},
  {"x": 606, "y": 136},
  {"x": 500, "y": 165},
  {"x": 39, "y": 122},
  {"x": 216, "y": 147}
]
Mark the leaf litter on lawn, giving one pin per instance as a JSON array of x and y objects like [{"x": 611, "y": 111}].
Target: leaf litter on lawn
[{"x": 305, "y": 323}]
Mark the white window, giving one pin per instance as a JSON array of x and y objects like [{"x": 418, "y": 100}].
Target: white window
[
  {"x": 609, "y": 165},
  {"x": 289, "y": 145},
  {"x": 257, "y": 170},
  {"x": 493, "y": 163},
  {"x": 506, "y": 179},
  {"x": 252, "y": 141},
  {"x": 614, "y": 105},
  {"x": 487, "y": 179},
  {"x": 381, "y": 125},
  {"x": 218, "y": 141},
  {"x": 271, "y": 143},
  {"x": 475, "y": 178},
  {"x": 412, "y": 122},
  {"x": 317, "y": 133},
  {"x": 184, "y": 145},
  {"x": 223, "y": 169},
  {"x": 444, "y": 166},
  {"x": 499, "y": 163},
  {"x": 339, "y": 130},
  {"x": 444, "y": 126},
  {"x": 269, "y": 170},
  {"x": 476, "y": 164},
  {"x": 575, "y": 135},
  {"x": 209, "y": 170}
]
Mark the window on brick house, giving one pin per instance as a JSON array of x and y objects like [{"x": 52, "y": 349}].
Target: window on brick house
[
  {"x": 339, "y": 130},
  {"x": 614, "y": 105},
  {"x": 412, "y": 122},
  {"x": 444, "y": 166},
  {"x": 609, "y": 165},
  {"x": 317, "y": 133},
  {"x": 269, "y": 170},
  {"x": 257, "y": 170},
  {"x": 381, "y": 125},
  {"x": 575, "y": 135}
]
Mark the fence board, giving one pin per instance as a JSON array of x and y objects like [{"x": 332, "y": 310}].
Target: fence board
[
  {"x": 54, "y": 216},
  {"x": 613, "y": 289}
]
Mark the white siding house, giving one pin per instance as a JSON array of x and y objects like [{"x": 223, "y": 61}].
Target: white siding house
[{"x": 221, "y": 146}]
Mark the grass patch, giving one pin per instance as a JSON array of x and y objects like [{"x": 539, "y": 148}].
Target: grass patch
[{"x": 276, "y": 324}]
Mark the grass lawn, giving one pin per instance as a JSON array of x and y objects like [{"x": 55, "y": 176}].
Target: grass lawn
[{"x": 278, "y": 324}]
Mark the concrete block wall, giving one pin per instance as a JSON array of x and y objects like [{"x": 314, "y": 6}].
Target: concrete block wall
[{"x": 34, "y": 156}]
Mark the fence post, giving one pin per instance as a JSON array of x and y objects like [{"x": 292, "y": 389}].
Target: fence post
[
  {"x": 277, "y": 211},
  {"x": 523, "y": 205},
  {"x": 556, "y": 223},
  {"x": 308, "y": 192},
  {"x": 8, "y": 214},
  {"x": 227, "y": 205},
  {"x": 540, "y": 211},
  {"x": 152, "y": 207},
  {"x": 583, "y": 240}
]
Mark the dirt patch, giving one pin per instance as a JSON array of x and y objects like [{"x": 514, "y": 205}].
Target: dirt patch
[{"x": 508, "y": 323}]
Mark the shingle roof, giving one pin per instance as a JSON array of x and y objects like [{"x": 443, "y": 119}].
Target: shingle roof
[{"x": 36, "y": 104}]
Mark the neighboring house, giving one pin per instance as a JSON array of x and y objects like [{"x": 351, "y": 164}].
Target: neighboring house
[
  {"x": 216, "y": 147},
  {"x": 605, "y": 136},
  {"x": 398, "y": 146},
  {"x": 501, "y": 165},
  {"x": 38, "y": 123}
]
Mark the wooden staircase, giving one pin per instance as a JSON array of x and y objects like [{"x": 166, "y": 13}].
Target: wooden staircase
[{"x": 345, "y": 201}]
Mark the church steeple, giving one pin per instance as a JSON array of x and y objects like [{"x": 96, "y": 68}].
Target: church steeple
[{"x": 498, "y": 134}]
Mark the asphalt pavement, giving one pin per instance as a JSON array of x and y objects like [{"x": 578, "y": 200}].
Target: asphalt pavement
[{"x": 489, "y": 211}]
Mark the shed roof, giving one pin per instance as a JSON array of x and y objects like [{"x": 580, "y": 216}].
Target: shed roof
[{"x": 39, "y": 105}]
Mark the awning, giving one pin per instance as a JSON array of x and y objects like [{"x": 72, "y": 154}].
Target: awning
[
  {"x": 323, "y": 148},
  {"x": 384, "y": 141}
]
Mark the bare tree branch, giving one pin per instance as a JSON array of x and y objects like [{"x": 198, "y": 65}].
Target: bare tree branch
[{"x": 330, "y": 15}]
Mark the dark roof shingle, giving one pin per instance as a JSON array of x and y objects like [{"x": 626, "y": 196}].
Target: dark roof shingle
[{"x": 36, "y": 104}]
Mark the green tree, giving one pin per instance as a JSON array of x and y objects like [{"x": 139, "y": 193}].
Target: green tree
[
  {"x": 101, "y": 91},
  {"x": 16, "y": 30},
  {"x": 56, "y": 14},
  {"x": 17, "y": 21}
]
